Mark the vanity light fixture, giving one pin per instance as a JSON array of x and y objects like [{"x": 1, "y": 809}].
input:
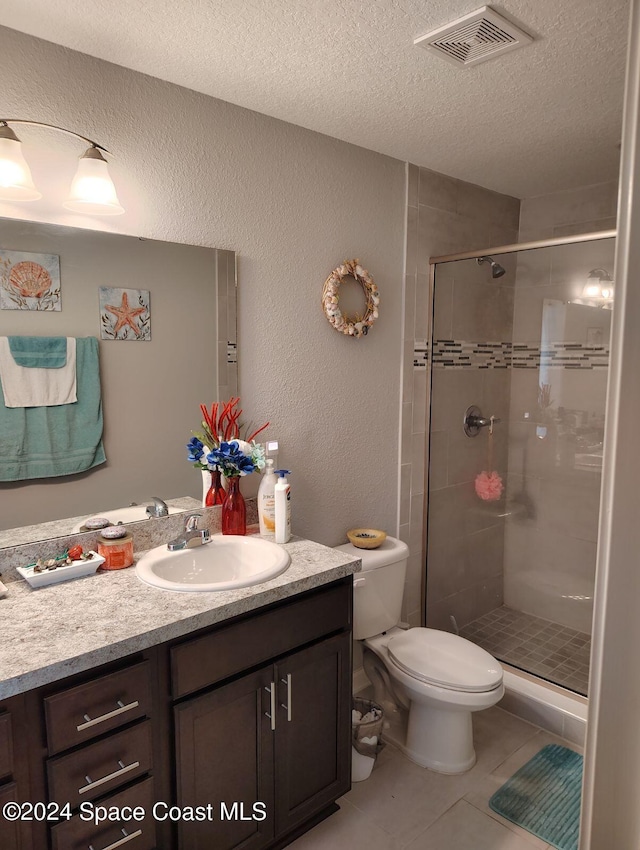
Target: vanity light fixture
[
  {"x": 599, "y": 287},
  {"x": 92, "y": 191}
]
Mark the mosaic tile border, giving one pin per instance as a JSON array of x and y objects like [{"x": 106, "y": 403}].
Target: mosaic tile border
[
  {"x": 420, "y": 355},
  {"x": 459, "y": 354}
]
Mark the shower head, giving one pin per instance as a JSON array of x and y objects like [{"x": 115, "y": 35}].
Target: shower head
[{"x": 496, "y": 268}]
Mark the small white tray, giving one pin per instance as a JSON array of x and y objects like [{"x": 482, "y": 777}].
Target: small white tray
[{"x": 74, "y": 570}]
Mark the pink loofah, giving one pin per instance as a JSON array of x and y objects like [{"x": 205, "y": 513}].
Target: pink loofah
[{"x": 489, "y": 486}]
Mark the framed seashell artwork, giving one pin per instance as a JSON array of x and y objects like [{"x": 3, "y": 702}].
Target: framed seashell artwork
[
  {"x": 29, "y": 281},
  {"x": 125, "y": 314}
]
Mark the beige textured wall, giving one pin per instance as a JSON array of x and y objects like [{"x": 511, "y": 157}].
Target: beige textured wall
[
  {"x": 293, "y": 204},
  {"x": 465, "y": 558}
]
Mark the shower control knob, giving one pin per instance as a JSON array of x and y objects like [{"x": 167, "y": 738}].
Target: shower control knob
[{"x": 474, "y": 421}]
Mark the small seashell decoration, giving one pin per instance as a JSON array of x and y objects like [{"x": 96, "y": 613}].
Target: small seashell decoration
[
  {"x": 358, "y": 326},
  {"x": 31, "y": 280}
]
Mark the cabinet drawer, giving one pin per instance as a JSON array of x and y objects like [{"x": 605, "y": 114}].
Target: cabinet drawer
[
  {"x": 241, "y": 645},
  {"x": 86, "y": 711},
  {"x": 6, "y": 749},
  {"x": 9, "y": 830},
  {"x": 101, "y": 767},
  {"x": 77, "y": 834}
]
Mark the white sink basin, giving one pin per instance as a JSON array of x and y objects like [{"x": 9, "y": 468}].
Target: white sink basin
[{"x": 224, "y": 563}]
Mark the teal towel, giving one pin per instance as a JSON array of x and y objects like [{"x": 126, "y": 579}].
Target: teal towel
[
  {"x": 41, "y": 352},
  {"x": 41, "y": 442}
]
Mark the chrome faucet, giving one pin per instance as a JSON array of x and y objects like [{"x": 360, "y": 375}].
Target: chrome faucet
[
  {"x": 158, "y": 508},
  {"x": 193, "y": 536}
]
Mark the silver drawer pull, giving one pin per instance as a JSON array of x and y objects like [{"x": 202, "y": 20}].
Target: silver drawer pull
[
  {"x": 128, "y": 836},
  {"x": 120, "y": 772},
  {"x": 272, "y": 716},
  {"x": 116, "y": 711},
  {"x": 287, "y": 682}
]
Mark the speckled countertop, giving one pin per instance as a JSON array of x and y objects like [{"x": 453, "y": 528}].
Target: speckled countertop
[{"x": 63, "y": 629}]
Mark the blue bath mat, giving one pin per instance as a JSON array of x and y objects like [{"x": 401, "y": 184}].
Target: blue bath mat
[{"x": 543, "y": 796}]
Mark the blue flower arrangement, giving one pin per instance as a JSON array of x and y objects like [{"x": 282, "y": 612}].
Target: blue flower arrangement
[{"x": 231, "y": 457}]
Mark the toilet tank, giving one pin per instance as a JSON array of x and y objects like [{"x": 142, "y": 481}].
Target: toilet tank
[{"x": 378, "y": 589}]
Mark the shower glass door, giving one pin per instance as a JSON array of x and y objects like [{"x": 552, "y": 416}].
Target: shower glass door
[{"x": 513, "y": 510}]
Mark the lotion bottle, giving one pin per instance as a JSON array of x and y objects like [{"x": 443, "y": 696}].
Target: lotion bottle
[
  {"x": 282, "y": 492},
  {"x": 266, "y": 502}
]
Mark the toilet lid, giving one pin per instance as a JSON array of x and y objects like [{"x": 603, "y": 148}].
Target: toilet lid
[{"x": 445, "y": 660}]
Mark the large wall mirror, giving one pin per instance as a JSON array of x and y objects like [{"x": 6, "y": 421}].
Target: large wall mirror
[{"x": 151, "y": 390}]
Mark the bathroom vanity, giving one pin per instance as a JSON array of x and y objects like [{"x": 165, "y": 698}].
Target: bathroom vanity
[{"x": 211, "y": 720}]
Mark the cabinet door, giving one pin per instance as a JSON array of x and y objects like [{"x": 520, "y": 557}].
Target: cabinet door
[
  {"x": 224, "y": 755},
  {"x": 313, "y": 730}
]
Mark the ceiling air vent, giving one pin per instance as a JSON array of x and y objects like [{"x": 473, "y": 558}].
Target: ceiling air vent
[{"x": 474, "y": 38}]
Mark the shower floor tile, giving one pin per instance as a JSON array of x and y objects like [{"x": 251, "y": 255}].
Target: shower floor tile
[{"x": 538, "y": 646}]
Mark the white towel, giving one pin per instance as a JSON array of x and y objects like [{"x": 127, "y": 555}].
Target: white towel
[{"x": 32, "y": 387}]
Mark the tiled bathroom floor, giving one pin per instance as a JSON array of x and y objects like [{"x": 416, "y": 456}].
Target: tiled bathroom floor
[
  {"x": 546, "y": 649},
  {"x": 403, "y": 806}
]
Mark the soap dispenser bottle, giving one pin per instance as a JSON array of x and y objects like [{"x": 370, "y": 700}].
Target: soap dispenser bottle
[
  {"x": 266, "y": 501},
  {"x": 282, "y": 492}
]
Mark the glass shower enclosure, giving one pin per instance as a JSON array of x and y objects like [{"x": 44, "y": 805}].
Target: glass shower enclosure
[{"x": 520, "y": 354}]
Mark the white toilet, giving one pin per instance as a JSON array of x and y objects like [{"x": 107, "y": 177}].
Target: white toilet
[{"x": 428, "y": 681}]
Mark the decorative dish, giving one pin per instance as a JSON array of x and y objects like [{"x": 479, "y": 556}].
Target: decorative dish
[
  {"x": 366, "y": 538},
  {"x": 47, "y": 575}
]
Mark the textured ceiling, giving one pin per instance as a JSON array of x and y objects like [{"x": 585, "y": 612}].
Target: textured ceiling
[{"x": 543, "y": 118}]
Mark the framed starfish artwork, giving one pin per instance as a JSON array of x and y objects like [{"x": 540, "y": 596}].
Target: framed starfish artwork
[{"x": 124, "y": 314}]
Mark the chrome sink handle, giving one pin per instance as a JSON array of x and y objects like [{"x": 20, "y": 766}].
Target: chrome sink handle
[
  {"x": 158, "y": 508},
  {"x": 192, "y": 536}
]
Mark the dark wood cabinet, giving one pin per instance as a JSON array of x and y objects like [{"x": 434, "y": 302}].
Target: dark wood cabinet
[
  {"x": 269, "y": 750},
  {"x": 224, "y": 759},
  {"x": 313, "y": 731},
  {"x": 244, "y": 727}
]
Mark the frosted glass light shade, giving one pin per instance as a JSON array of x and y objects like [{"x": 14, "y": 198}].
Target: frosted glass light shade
[
  {"x": 16, "y": 182},
  {"x": 592, "y": 289},
  {"x": 92, "y": 190}
]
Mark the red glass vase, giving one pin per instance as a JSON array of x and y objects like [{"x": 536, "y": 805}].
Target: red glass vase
[
  {"x": 216, "y": 493},
  {"x": 234, "y": 510}
]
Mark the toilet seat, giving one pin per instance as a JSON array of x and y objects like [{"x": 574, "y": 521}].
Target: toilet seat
[{"x": 446, "y": 660}]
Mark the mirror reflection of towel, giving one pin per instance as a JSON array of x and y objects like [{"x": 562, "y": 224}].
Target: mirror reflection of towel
[
  {"x": 42, "y": 442},
  {"x": 28, "y": 386}
]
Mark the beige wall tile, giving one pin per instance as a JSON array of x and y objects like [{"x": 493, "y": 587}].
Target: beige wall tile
[
  {"x": 407, "y": 370},
  {"x": 438, "y": 459},
  {"x": 419, "y": 422},
  {"x": 417, "y": 517},
  {"x": 422, "y": 317},
  {"x": 411, "y": 254},
  {"x": 405, "y": 494},
  {"x": 571, "y": 206},
  {"x": 418, "y": 454},
  {"x": 438, "y": 190},
  {"x": 443, "y": 307},
  {"x": 409, "y": 326},
  {"x": 482, "y": 311},
  {"x": 476, "y": 202},
  {"x": 413, "y": 179},
  {"x": 586, "y": 227},
  {"x": 407, "y": 418},
  {"x": 455, "y": 216}
]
